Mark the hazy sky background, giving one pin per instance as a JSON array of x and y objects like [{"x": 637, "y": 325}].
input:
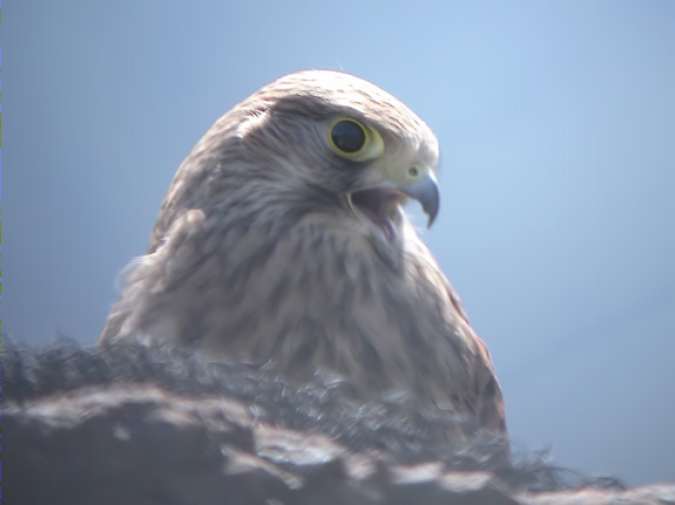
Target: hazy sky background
[{"x": 557, "y": 127}]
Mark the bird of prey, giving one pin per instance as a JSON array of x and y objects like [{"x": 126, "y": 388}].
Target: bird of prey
[{"x": 282, "y": 242}]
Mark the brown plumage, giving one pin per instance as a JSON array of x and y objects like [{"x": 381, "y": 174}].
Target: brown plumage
[{"x": 282, "y": 242}]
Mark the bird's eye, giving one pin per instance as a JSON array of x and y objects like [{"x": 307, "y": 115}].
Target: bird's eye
[
  {"x": 350, "y": 139},
  {"x": 348, "y": 136}
]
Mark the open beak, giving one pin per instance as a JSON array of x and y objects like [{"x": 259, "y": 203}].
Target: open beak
[{"x": 378, "y": 202}]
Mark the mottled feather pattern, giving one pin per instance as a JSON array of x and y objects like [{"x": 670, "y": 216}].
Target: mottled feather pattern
[{"x": 257, "y": 257}]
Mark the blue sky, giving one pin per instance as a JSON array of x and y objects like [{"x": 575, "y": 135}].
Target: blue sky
[{"x": 556, "y": 122}]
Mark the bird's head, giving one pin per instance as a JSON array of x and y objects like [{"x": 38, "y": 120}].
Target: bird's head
[{"x": 344, "y": 138}]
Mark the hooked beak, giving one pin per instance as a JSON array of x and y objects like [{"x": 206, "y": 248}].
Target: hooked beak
[
  {"x": 425, "y": 191},
  {"x": 379, "y": 202}
]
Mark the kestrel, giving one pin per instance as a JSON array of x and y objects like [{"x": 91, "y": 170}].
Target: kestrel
[{"x": 282, "y": 242}]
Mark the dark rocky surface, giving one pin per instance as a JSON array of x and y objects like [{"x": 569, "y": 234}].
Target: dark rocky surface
[{"x": 140, "y": 427}]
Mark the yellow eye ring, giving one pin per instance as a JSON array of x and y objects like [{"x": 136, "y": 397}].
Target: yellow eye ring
[{"x": 353, "y": 140}]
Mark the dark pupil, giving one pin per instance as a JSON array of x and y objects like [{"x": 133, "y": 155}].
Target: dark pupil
[{"x": 348, "y": 136}]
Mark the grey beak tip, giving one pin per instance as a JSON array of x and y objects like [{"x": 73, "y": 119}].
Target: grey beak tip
[
  {"x": 426, "y": 192},
  {"x": 432, "y": 213}
]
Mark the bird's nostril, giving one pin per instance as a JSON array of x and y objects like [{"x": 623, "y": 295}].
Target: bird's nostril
[{"x": 413, "y": 171}]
